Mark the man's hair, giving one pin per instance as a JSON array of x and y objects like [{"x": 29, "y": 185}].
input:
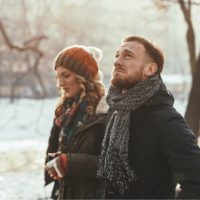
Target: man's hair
[{"x": 153, "y": 51}]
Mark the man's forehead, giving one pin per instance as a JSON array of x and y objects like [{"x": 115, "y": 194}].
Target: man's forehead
[{"x": 131, "y": 46}]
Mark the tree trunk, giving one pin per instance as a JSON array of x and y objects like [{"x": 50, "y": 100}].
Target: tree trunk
[
  {"x": 192, "y": 114},
  {"x": 190, "y": 36}
]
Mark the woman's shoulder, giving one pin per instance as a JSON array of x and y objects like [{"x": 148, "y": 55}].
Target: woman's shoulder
[
  {"x": 97, "y": 118},
  {"x": 102, "y": 106}
]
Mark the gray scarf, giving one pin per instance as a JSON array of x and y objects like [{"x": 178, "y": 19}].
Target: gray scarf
[{"x": 114, "y": 166}]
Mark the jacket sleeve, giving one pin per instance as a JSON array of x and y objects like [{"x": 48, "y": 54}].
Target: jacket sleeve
[
  {"x": 81, "y": 164},
  {"x": 52, "y": 148},
  {"x": 179, "y": 146},
  {"x": 53, "y": 142}
]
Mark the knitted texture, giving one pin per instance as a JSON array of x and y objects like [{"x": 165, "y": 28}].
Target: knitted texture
[
  {"x": 71, "y": 116},
  {"x": 81, "y": 60},
  {"x": 61, "y": 162},
  {"x": 58, "y": 165},
  {"x": 114, "y": 166}
]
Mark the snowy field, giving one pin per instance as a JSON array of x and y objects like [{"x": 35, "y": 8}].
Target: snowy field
[{"x": 25, "y": 127}]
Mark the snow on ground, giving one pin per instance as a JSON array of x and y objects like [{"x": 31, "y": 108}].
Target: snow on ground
[
  {"x": 25, "y": 127},
  {"x": 24, "y": 131},
  {"x": 26, "y": 118}
]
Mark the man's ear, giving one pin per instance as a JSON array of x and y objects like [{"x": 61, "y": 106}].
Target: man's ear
[{"x": 150, "y": 69}]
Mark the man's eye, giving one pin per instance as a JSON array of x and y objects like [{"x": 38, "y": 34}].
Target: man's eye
[
  {"x": 128, "y": 56},
  {"x": 116, "y": 56}
]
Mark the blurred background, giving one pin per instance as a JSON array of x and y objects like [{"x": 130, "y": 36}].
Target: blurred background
[{"x": 33, "y": 32}]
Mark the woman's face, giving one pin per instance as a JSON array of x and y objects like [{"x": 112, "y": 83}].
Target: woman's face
[{"x": 67, "y": 81}]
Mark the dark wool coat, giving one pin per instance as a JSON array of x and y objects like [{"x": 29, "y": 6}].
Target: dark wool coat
[
  {"x": 163, "y": 152},
  {"x": 84, "y": 150}
]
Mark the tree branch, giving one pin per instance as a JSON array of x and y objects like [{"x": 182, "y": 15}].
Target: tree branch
[
  {"x": 32, "y": 45},
  {"x": 175, "y": 1},
  {"x": 28, "y": 45}
]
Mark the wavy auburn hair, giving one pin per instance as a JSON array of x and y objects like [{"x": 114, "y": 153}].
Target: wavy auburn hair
[{"x": 91, "y": 90}]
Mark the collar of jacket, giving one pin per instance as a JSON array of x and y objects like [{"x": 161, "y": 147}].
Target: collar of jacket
[
  {"x": 102, "y": 106},
  {"x": 98, "y": 117},
  {"x": 161, "y": 97}
]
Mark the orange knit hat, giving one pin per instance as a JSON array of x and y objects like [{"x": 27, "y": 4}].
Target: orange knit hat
[{"x": 81, "y": 60}]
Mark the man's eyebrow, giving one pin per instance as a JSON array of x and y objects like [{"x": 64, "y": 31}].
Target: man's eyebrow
[
  {"x": 128, "y": 51},
  {"x": 125, "y": 51}
]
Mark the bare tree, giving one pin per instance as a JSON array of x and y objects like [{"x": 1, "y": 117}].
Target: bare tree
[
  {"x": 192, "y": 114},
  {"x": 31, "y": 45}
]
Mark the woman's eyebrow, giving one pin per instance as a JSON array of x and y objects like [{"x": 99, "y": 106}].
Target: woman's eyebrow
[{"x": 64, "y": 73}]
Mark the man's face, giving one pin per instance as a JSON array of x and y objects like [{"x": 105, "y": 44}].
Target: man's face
[{"x": 129, "y": 65}]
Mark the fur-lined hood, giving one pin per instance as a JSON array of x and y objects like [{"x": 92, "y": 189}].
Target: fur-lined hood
[{"x": 102, "y": 106}]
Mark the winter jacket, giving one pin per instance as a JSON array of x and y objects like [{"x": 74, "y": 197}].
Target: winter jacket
[
  {"x": 84, "y": 149},
  {"x": 162, "y": 152}
]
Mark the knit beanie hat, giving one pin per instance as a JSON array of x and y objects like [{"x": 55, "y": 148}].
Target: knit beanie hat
[{"x": 82, "y": 60}]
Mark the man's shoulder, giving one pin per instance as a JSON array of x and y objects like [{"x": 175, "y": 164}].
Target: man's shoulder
[
  {"x": 156, "y": 119},
  {"x": 156, "y": 112}
]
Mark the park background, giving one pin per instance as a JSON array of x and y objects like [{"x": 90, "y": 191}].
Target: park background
[{"x": 33, "y": 32}]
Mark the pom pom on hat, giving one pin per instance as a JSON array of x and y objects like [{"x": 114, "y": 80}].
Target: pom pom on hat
[{"x": 96, "y": 53}]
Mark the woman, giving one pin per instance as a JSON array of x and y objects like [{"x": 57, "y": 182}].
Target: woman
[{"x": 77, "y": 133}]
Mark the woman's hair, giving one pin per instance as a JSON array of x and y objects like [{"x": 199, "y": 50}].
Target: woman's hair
[
  {"x": 91, "y": 90},
  {"x": 83, "y": 61}
]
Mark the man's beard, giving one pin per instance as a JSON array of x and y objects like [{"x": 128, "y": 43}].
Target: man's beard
[{"x": 124, "y": 83}]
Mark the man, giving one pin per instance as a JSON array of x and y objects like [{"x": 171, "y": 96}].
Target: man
[{"x": 148, "y": 147}]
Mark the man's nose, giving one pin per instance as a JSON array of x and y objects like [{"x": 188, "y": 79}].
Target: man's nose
[{"x": 117, "y": 61}]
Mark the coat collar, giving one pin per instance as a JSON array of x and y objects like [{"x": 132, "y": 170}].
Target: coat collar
[{"x": 102, "y": 106}]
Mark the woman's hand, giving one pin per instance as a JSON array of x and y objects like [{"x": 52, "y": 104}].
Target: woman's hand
[{"x": 57, "y": 167}]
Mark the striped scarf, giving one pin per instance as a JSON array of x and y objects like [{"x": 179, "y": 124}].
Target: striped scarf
[
  {"x": 114, "y": 166},
  {"x": 72, "y": 115}
]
